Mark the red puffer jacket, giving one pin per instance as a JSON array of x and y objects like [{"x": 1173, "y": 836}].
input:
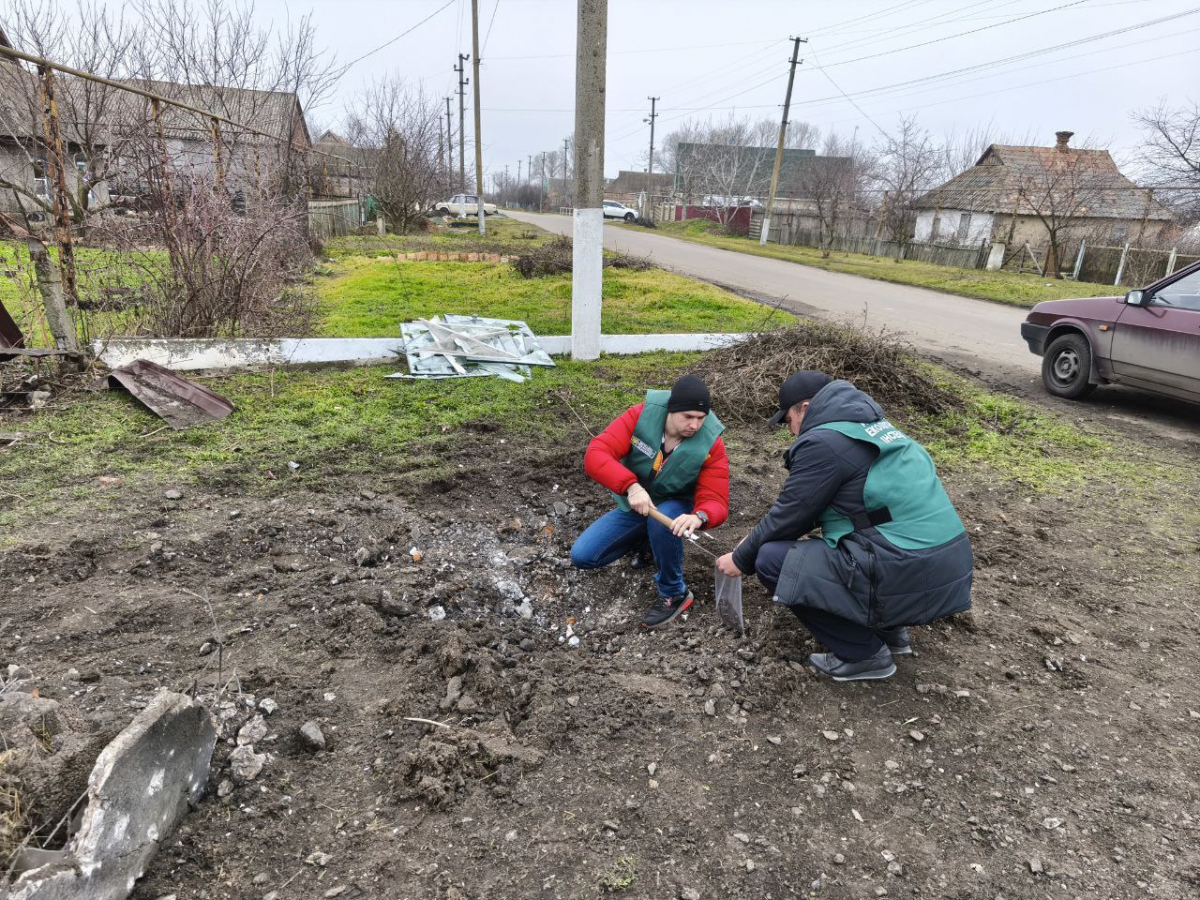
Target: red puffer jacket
[{"x": 603, "y": 464}]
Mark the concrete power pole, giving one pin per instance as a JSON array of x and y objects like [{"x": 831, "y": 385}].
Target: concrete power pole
[
  {"x": 478, "y": 126},
  {"x": 566, "y": 149},
  {"x": 653, "y": 116},
  {"x": 787, "y": 103},
  {"x": 462, "y": 131},
  {"x": 449, "y": 147},
  {"x": 591, "y": 46}
]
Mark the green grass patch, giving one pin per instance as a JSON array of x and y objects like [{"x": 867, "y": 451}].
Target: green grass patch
[
  {"x": 331, "y": 422},
  {"x": 1002, "y": 287},
  {"x": 504, "y": 236},
  {"x": 370, "y": 298}
]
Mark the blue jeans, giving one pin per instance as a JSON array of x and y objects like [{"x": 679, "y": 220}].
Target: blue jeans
[{"x": 617, "y": 533}]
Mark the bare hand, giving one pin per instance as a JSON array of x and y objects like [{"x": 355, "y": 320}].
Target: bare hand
[
  {"x": 639, "y": 500},
  {"x": 686, "y": 524},
  {"x": 726, "y": 566}
]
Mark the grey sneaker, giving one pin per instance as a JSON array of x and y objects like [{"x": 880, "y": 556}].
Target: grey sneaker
[
  {"x": 896, "y": 639},
  {"x": 878, "y": 666}
]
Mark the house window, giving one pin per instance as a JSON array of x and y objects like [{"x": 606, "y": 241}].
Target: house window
[
  {"x": 964, "y": 227},
  {"x": 1120, "y": 234}
]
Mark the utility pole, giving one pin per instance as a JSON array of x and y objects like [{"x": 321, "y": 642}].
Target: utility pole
[
  {"x": 787, "y": 104},
  {"x": 449, "y": 148},
  {"x": 653, "y": 116},
  {"x": 462, "y": 131},
  {"x": 478, "y": 127},
  {"x": 587, "y": 276},
  {"x": 566, "y": 150},
  {"x": 529, "y": 167},
  {"x": 542, "y": 186}
]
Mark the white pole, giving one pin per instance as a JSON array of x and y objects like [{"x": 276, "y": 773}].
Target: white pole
[
  {"x": 1079, "y": 259},
  {"x": 1171, "y": 260},
  {"x": 1121, "y": 265},
  {"x": 587, "y": 278}
]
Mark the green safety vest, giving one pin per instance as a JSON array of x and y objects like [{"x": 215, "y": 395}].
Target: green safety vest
[
  {"x": 903, "y": 496},
  {"x": 679, "y": 473}
]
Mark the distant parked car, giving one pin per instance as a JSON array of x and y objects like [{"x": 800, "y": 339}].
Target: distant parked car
[
  {"x": 456, "y": 204},
  {"x": 1150, "y": 338},
  {"x": 615, "y": 210}
]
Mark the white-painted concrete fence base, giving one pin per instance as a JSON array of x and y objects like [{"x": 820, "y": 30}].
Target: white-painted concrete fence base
[
  {"x": 193, "y": 354},
  {"x": 139, "y": 789}
]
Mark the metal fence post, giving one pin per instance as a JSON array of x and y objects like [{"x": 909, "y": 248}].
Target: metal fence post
[
  {"x": 1079, "y": 260},
  {"x": 1121, "y": 265},
  {"x": 1171, "y": 260}
]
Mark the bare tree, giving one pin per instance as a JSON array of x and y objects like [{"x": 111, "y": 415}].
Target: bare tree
[
  {"x": 1063, "y": 190},
  {"x": 1170, "y": 156},
  {"x": 911, "y": 163},
  {"x": 401, "y": 127},
  {"x": 834, "y": 182}
]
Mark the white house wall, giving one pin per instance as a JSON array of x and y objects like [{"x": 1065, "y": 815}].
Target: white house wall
[{"x": 980, "y": 228}]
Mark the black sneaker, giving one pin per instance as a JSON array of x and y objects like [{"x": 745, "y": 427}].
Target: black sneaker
[
  {"x": 896, "y": 639},
  {"x": 878, "y": 666},
  {"x": 643, "y": 558},
  {"x": 665, "y": 610}
]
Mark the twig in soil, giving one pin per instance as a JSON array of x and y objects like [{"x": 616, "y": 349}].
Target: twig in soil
[
  {"x": 427, "y": 722},
  {"x": 290, "y": 880},
  {"x": 14, "y": 496},
  {"x": 562, "y": 396},
  {"x": 889, "y": 703},
  {"x": 155, "y": 431}
]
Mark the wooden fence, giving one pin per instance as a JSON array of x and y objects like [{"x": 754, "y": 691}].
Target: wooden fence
[{"x": 333, "y": 218}]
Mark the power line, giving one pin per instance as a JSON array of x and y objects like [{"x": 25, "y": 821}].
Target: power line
[
  {"x": 491, "y": 22},
  {"x": 850, "y": 99},
  {"x": 396, "y": 38}
]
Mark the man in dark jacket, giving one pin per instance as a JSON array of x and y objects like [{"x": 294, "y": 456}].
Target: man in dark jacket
[{"x": 892, "y": 552}]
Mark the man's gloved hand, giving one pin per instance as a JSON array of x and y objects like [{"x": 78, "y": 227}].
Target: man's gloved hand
[
  {"x": 686, "y": 524},
  {"x": 639, "y": 499}
]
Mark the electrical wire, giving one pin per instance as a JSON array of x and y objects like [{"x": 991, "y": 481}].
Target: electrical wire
[
  {"x": 491, "y": 22},
  {"x": 382, "y": 46}
]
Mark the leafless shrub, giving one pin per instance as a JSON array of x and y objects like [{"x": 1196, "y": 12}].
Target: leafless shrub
[
  {"x": 745, "y": 377},
  {"x": 223, "y": 272}
]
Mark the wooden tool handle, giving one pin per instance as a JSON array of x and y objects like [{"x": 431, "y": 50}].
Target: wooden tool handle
[{"x": 660, "y": 517}]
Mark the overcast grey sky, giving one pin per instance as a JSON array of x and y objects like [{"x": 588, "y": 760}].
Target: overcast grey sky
[{"x": 713, "y": 57}]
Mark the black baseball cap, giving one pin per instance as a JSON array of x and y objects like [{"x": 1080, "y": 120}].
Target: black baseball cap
[{"x": 798, "y": 388}]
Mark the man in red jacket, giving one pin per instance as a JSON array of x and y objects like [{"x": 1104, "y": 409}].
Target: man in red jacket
[{"x": 667, "y": 453}]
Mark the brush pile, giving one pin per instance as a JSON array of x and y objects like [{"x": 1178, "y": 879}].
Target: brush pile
[
  {"x": 555, "y": 258},
  {"x": 744, "y": 378}
]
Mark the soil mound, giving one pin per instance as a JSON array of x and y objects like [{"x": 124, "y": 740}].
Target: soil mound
[
  {"x": 556, "y": 258},
  {"x": 745, "y": 378}
]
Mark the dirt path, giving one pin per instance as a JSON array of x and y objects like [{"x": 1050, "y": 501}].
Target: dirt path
[{"x": 1044, "y": 746}]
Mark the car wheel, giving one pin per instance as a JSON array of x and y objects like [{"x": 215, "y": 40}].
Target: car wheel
[
  {"x": 629, "y": 217},
  {"x": 1067, "y": 366}
]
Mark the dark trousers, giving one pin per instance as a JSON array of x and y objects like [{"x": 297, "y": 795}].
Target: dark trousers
[{"x": 850, "y": 641}]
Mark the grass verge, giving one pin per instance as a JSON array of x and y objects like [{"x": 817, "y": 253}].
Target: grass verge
[
  {"x": 504, "y": 236},
  {"x": 1001, "y": 287},
  {"x": 370, "y": 298}
]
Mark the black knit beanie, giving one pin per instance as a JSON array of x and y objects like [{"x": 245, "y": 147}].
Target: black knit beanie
[{"x": 689, "y": 394}]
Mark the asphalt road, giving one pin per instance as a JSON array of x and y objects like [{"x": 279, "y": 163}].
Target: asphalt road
[{"x": 975, "y": 336}]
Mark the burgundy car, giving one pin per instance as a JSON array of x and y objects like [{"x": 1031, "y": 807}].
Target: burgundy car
[{"x": 1148, "y": 339}]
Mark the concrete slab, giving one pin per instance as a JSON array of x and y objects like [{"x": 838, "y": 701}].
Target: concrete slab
[{"x": 139, "y": 789}]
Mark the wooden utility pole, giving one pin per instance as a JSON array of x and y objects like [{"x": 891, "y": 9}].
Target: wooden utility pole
[
  {"x": 787, "y": 104},
  {"x": 653, "y": 116},
  {"x": 56, "y": 175},
  {"x": 478, "y": 126},
  {"x": 587, "y": 276}
]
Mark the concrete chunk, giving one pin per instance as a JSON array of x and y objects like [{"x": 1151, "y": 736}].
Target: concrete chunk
[{"x": 138, "y": 791}]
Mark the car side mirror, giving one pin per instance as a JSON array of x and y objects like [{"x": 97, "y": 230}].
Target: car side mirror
[{"x": 1135, "y": 298}]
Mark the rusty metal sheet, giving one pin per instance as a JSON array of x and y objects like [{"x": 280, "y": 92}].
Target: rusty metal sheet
[
  {"x": 10, "y": 333},
  {"x": 178, "y": 401}
]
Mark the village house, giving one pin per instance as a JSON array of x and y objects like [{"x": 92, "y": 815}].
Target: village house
[
  {"x": 1014, "y": 194},
  {"x": 339, "y": 170}
]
